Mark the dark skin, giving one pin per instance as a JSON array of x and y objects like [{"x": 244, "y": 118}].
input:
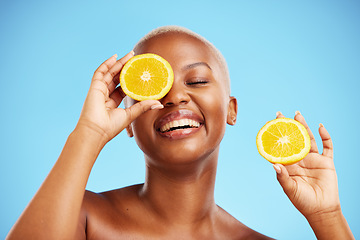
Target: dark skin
[
  {"x": 177, "y": 199},
  {"x": 178, "y": 195}
]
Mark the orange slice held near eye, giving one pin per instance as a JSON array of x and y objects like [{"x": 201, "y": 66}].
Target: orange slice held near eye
[
  {"x": 283, "y": 140},
  {"x": 146, "y": 76}
]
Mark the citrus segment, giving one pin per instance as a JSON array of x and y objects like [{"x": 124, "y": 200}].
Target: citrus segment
[
  {"x": 284, "y": 141},
  {"x": 146, "y": 76}
]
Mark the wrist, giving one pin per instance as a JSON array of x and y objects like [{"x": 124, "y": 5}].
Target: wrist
[
  {"x": 91, "y": 132},
  {"x": 325, "y": 216},
  {"x": 330, "y": 224},
  {"x": 90, "y": 137}
]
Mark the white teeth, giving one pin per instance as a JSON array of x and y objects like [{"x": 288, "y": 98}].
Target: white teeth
[
  {"x": 179, "y": 123},
  {"x": 182, "y": 122}
]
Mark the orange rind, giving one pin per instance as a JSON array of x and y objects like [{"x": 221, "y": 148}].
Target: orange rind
[
  {"x": 146, "y": 76},
  {"x": 283, "y": 140}
]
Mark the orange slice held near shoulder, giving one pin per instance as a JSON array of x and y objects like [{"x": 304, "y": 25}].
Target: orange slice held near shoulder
[
  {"x": 146, "y": 76},
  {"x": 283, "y": 140}
]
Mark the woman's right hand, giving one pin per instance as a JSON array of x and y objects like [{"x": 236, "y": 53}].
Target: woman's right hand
[{"x": 100, "y": 113}]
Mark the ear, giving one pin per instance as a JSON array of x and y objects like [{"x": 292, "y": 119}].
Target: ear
[
  {"x": 232, "y": 111},
  {"x": 129, "y": 130}
]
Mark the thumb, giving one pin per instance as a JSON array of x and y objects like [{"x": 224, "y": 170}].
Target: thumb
[
  {"x": 139, "y": 108},
  {"x": 123, "y": 117},
  {"x": 284, "y": 179}
]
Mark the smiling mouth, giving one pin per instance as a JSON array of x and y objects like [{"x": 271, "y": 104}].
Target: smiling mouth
[{"x": 179, "y": 124}]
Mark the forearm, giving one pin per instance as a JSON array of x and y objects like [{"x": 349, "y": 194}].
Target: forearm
[
  {"x": 331, "y": 225},
  {"x": 54, "y": 211}
]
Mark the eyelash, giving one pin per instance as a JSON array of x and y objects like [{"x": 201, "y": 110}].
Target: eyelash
[{"x": 197, "y": 82}]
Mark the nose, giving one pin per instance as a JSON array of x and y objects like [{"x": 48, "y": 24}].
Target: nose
[{"x": 176, "y": 96}]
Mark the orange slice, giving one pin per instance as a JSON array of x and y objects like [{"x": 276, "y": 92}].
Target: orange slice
[
  {"x": 146, "y": 76},
  {"x": 284, "y": 141}
]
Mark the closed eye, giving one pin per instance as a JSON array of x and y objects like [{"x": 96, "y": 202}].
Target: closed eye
[{"x": 197, "y": 82}]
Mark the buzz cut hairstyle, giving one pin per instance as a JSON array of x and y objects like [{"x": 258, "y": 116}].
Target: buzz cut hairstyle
[{"x": 178, "y": 29}]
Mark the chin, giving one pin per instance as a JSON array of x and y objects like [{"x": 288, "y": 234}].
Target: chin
[{"x": 188, "y": 157}]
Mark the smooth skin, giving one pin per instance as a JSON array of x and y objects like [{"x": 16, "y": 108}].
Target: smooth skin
[{"x": 177, "y": 199}]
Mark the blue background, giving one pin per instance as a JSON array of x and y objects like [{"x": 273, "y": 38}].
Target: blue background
[{"x": 282, "y": 55}]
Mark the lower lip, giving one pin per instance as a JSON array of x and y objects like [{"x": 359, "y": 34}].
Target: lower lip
[{"x": 180, "y": 133}]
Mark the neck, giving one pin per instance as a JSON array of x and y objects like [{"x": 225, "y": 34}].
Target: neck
[{"x": 184, "y": 195}]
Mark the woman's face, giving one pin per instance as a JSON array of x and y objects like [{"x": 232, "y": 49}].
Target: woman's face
[{"x": 192, "y": 123}]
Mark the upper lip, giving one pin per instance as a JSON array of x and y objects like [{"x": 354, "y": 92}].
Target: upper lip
[{"x": 178, "y": 115}]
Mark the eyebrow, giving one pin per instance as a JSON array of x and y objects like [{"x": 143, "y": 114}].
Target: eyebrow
[{"x": 193, "y": 65}]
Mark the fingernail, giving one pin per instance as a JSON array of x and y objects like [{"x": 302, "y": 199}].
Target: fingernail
[
  {"x": 115, "y": 56},
  {"x": 297, "y": 112},
  {"x": 278, "y": 113},
  {"x": 156, "y": 106},
  {"x": 132, "y": 52},
  {"x": 321, "y": 125},
  {"x": 277, "y": 169}
]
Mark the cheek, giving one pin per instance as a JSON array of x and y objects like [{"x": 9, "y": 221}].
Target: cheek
[
  {"x": 216, "y": 102},
  {"x": 215, "y": 111}
]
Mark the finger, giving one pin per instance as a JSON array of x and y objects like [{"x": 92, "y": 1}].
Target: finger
[
  {"x": 123, "y": 117},
  {"x": 298, "y": 117},
  {"x": 115, "y": 98},
  {"x": 104, "y": 68},
  {"x": 284, "y": 179},
  {"x": 141, "y": 107},
  {"x": 327, "y": 142},
  {"x": 98, "y": 89},
  {"x": 279, "y": 115},
  {"x": 114, "y": 83},
  {"x": 115, "y": 69}
]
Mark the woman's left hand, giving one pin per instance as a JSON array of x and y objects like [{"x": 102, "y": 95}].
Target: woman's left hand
[{"x": 311, "y": 184}]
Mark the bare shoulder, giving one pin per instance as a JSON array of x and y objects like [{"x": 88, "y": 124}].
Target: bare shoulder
[
  {"x": 111, "y": 197},
  {"x": 108, "y": 214},
  {"x": 237, "y": 230},
  {"x": 114, "y": 200}
]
